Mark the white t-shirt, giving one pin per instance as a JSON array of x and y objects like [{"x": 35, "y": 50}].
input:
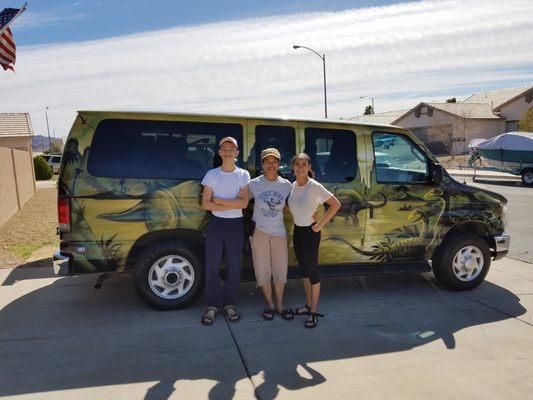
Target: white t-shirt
[
  {"x": 304, "y": 200},
  {"x": 226, "y": 185},
  {"x": 270, "y": 198}
]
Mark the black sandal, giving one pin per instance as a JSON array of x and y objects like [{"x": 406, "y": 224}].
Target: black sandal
[
  {"x": 209, "y": 316},
  {"x": 287, "y": 314},
  {"x": 312, "y": 321},
  {"x": 232, "y": 314},
  {"x": 268, "y": 314},
  {"x": 303, "y": 310}
]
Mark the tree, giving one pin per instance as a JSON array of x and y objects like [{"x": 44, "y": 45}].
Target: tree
[
  {"x": 56, "y": 148},
  {"x": 450, "y": 131},
  {"x": 43, "y": 171},
  {"x": 368, "y": 110},
  {"x": 451, "y": 100},
  {"x": 526, "y": 123}
]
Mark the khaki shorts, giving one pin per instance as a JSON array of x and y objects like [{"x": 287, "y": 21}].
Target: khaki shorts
[{"x": 270, "y": 257}]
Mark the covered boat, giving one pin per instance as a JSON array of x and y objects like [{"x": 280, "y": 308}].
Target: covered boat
[{"x": 510, "y": 152}]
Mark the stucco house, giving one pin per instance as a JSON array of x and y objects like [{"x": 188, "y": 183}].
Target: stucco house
[
  {"x": 17, "y": 176},
  {"x": 482, "y": 115}
]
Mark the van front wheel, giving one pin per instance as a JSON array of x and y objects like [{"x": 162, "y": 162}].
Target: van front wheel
[
  {"x": 463, "y": 262},
  {"x": 168, "y": 276}
]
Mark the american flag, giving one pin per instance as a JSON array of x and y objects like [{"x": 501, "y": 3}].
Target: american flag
[{"x": 8, "y": 49}]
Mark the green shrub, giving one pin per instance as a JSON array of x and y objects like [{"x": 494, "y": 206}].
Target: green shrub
[{"x": 43, "y": 171}]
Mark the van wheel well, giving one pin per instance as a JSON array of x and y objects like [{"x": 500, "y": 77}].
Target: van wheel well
[
  {"x": 476, "y": 227},
  {"x": 189, "y": 238}
]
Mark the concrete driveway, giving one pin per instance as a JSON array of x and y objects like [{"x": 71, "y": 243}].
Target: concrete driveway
[{"x": 386, "y": 336}]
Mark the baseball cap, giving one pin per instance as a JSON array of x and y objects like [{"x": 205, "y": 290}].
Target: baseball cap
[
  {"x": 228, "y": 139},
  {"x": 270, "y": 152}
]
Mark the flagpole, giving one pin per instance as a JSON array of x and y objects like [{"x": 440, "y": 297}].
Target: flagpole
[{"x": 12, "y": 19}]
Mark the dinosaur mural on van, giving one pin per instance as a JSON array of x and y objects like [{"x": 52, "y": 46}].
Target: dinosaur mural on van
[{"x": 403, "y": 222}]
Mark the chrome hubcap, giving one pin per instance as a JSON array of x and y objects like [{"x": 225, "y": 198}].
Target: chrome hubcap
[
  {"x": 468, "y": 263},
  {"x": 171, "y": 277},
  {"x": 528, "y": 177}
]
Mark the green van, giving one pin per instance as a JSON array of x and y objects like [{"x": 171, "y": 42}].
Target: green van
[{"x": 129, "y": 200}]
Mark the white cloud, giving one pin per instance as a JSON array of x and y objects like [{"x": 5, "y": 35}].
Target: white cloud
[{"x": 400, "y": 54}]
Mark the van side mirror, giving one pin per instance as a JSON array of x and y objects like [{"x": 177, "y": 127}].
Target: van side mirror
[{"x": 437, "y": 172}]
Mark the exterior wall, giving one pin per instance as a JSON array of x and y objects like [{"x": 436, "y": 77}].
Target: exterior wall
[
  {"x": 17, "y": 177},
  {"x": 24, "y": 175},
  {"x": 8, "y": 194},
  {"x": 474, "y": 128},
  {"x": 21, "y": 143},
  {"x": 515, "y": 110}
]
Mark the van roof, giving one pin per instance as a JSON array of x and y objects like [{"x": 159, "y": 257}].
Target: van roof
[{"x": 281, "y": 118}]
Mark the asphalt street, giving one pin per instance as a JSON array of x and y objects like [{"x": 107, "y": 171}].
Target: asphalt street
[{"x": 520, "y": 224}]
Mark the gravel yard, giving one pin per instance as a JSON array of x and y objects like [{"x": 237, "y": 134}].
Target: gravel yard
[{"x": 28, "y": 239}]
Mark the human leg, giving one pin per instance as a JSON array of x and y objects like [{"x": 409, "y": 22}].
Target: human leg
[
  {"x": 233, "y": 244},
  {"x": 213, "y": 259}
]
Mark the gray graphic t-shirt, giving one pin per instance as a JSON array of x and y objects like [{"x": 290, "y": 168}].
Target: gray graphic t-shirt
[{"x": 270, "y": 198}]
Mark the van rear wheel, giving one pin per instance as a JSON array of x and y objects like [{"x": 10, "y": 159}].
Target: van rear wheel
[
  {"x": 462, "y": 262},
  {"x": 168, "y": 276}
]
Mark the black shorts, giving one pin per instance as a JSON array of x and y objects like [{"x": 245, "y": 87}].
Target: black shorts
[{"x": 306, "y": 243}]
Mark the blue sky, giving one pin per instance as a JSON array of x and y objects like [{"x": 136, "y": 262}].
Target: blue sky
[
  {"x": 79, "y": 20},
  {"x": 236, "y": 57}
]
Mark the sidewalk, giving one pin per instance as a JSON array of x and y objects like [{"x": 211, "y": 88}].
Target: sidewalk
[
  {"x": 396, "y": 336},
  {"x": 469, "y": 173}
]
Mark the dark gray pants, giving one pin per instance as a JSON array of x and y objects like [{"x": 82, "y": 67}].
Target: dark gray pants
[{"x": 225, "y": 238}]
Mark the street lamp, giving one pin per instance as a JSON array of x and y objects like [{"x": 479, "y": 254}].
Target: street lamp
[
  {"x": 323, "y": 58},
  {"x": 48, "y": 129},
  {"x": 367, "y": 97}
]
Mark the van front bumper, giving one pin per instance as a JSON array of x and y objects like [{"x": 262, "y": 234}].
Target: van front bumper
[
  {"x": 61, "y": 264},
  {"x": 501, "y": 245}
]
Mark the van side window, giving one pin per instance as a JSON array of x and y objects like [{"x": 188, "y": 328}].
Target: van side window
[
  {"x": 279, "y": 137},
  {"x": 333, "y": 154},
  {"x": 157, "y": 149},
  {"x": 398, "y": 160}
]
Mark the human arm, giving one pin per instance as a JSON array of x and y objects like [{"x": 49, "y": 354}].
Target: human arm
[
  {"x": 208, "y": 204},
  {"x": 242, "y": 200},
  {"x": 334, "y": 206}
]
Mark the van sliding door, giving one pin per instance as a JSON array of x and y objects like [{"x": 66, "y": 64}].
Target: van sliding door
[{"x": 333, "y": 149}]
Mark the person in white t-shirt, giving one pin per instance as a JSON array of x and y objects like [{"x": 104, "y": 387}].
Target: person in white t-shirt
[
  {"x": 225, "y": 195},
  {"x": 306, "y": 195},
  {"x": 269, "y": 239}
]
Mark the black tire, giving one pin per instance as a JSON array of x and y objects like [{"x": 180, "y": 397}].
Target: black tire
[
  {"x": 443, "y": 259},
  {"x": 187, "y": 262},
  {"x": 527, "y": 177}
]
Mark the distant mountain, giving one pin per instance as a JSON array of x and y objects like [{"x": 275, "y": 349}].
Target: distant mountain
[{"x": 40, "y": 143}]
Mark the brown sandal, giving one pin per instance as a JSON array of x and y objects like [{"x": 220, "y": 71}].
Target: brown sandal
[
  {"x": 209, "y": 316},
  {"x": 232, "y": 314}
]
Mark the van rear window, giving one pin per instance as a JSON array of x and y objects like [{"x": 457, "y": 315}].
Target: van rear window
[{"x": 157, "y": 149}]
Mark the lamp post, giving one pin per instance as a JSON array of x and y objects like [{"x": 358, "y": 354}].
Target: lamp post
[
  {"x": 48, "y": 129},
  {"x": 367, "y": 97},
  {"x": 323, "y": 58}
]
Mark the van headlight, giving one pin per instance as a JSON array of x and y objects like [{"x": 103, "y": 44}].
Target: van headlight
[{"x": 505, "y": 215}]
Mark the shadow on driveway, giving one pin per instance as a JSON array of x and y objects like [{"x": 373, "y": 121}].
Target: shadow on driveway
[{"x": 68, "y": 335}]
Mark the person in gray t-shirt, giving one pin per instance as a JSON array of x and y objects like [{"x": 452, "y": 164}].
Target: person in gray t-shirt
[{"x": 269, "y": 241}]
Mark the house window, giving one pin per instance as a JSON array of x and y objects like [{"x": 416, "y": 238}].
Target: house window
[{"x": 511, "y": 126}]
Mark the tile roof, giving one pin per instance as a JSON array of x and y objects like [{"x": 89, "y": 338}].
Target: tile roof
[
  {"x": 497, "y": 97},
  {"x": 468, "y": 110},
  {"x": 15, "y": 124},
  {"x": 385, "y": 118}
]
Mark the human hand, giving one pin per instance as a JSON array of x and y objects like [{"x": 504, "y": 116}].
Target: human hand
[
  {"x": 316, "y": 228},
  {"x": 242, "y": 193}
]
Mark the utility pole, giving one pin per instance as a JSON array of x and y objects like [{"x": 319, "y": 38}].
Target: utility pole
[{"x": 48, "y": 129}]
